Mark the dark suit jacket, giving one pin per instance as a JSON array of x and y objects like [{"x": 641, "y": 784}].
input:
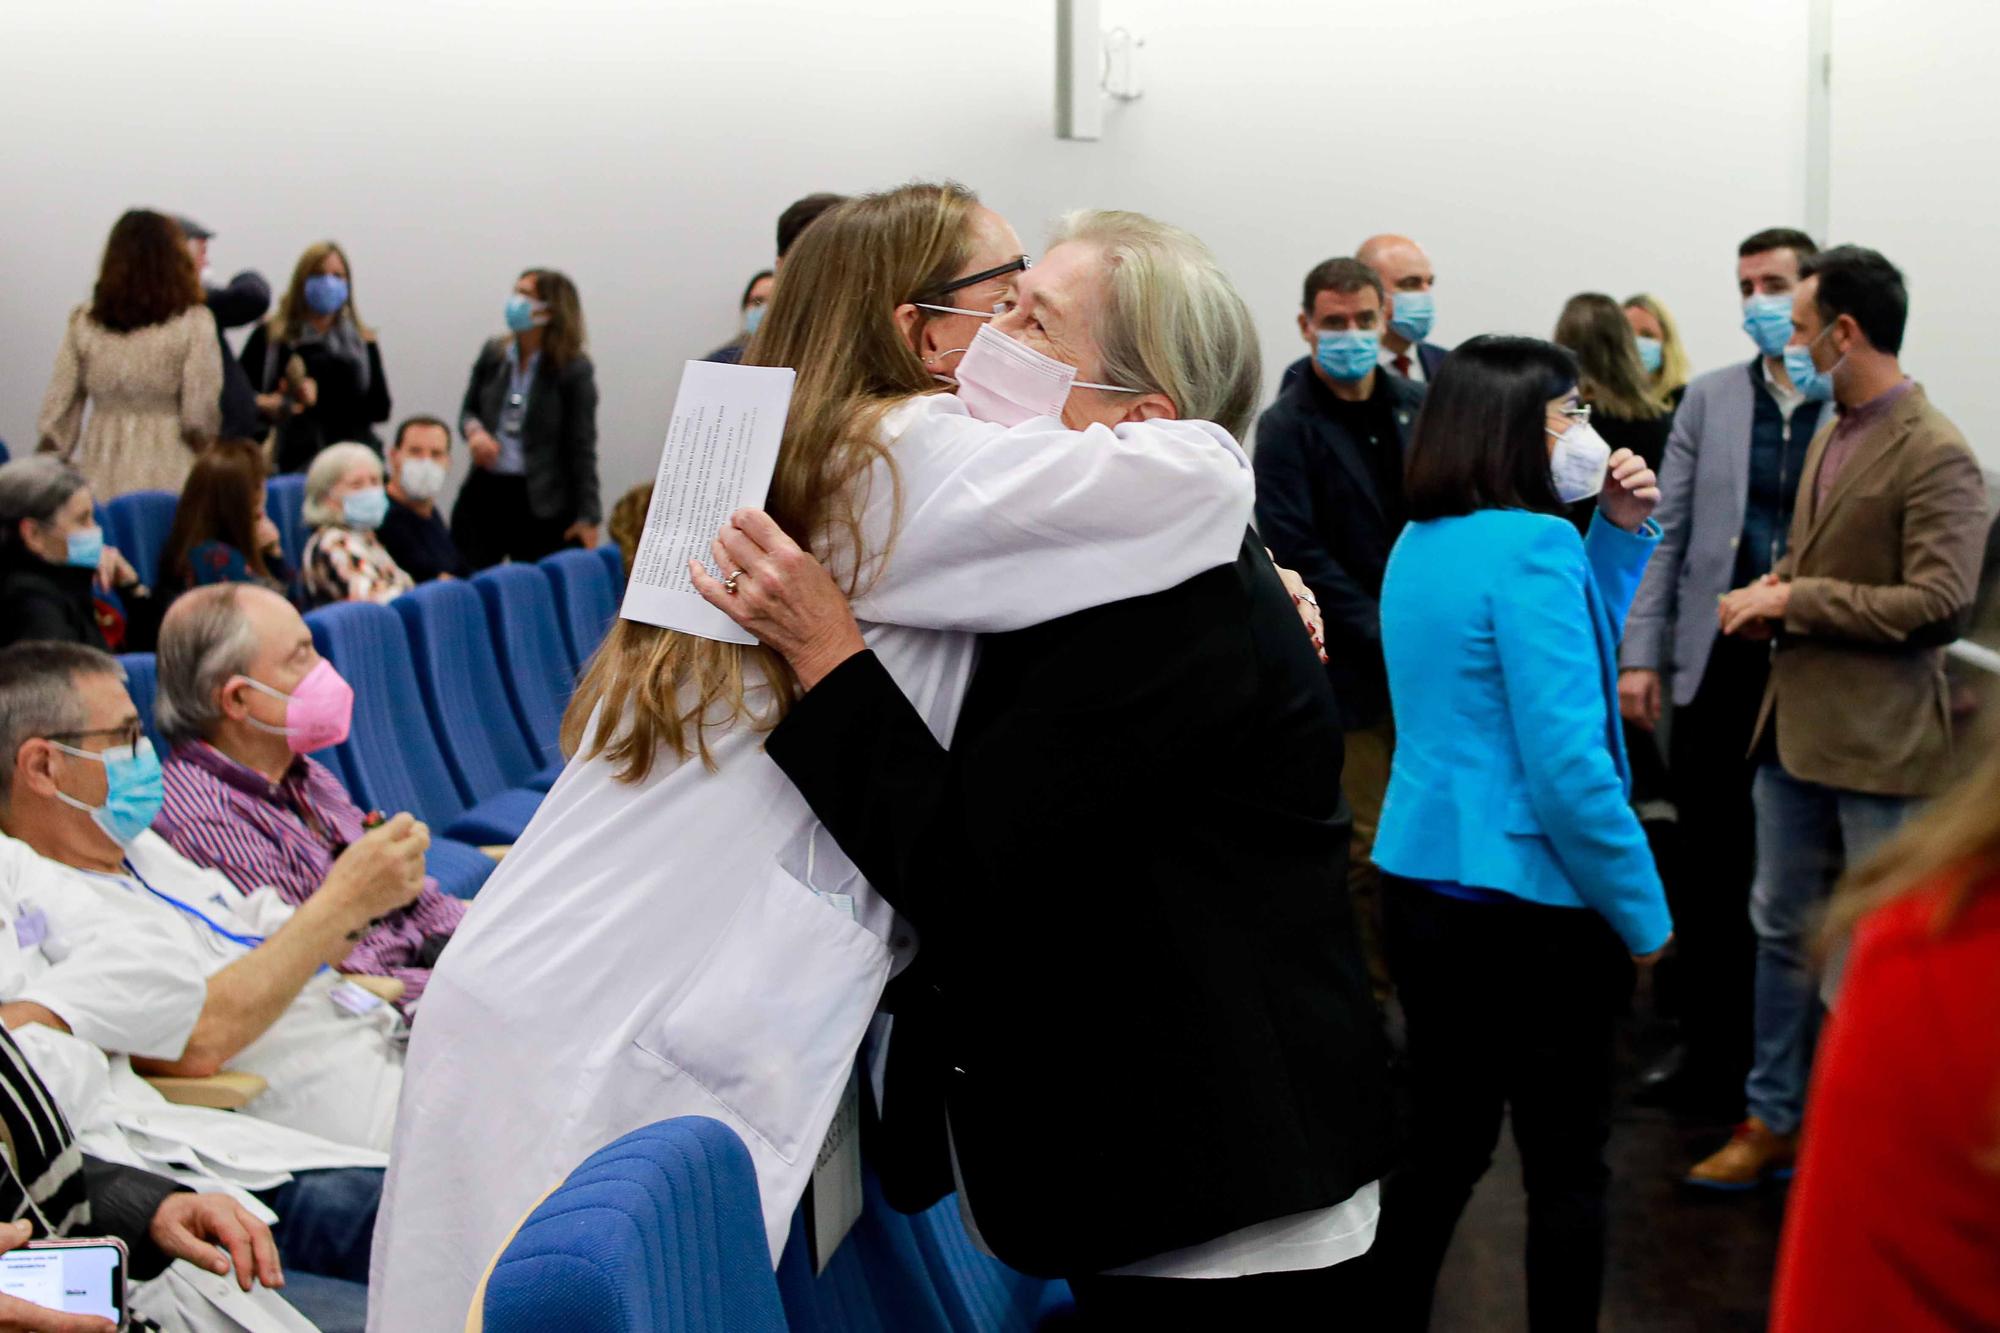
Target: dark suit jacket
[
  {"x": 1128, "y": 876},
  {"x": 558, "y": 437},
  {"x": 344, "y": 410},
  {"x": 1320, "y": 512}
]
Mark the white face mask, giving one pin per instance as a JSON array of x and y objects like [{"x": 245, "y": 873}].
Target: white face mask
[
  {"x": 1008, "y": 382},
  {"x": 422, "y": 478},
  {"x": 1579, "y": 463}
]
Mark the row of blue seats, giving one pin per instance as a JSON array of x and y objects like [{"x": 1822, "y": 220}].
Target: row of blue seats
[
  {"x": 459, "y": 691},
  {"x": 139, "y": 522},
  {"x": 661, "y": 1230}
]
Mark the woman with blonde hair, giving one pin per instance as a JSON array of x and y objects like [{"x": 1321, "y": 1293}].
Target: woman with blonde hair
[
  {"x": 1894, "y": 1217},
  {"x": 316, "y": 366},
  {"x": 1662, "y": 354},
  {"x": 675, "y": 933},
  {"x": 144, "y": 355},
  {"x": 530, "y": 420}
]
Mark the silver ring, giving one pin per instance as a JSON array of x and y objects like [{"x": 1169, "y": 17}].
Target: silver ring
[{"x": 730, "y": 582}]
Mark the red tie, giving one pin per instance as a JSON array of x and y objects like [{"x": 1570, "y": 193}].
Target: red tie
[{"x": 1402, "y": 363}]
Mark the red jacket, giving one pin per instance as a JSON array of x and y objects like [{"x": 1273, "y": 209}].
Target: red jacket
[{"x": 1894, "y": 1220}]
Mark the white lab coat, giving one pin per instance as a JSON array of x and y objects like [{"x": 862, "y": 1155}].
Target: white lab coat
[
  {"x": 128, "y": 973},
  {"x": 684, "y": 946}
]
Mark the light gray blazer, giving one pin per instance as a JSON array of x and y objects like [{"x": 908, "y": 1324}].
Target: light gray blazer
[{"x": 1704, "y": 490}]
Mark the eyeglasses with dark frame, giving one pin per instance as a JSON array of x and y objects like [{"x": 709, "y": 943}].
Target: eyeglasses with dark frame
[
  {"x": 131, "y": 733},
  {"x": 1020, "y": 264}
]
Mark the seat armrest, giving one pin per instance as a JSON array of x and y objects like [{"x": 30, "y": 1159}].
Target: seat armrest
[
  {"x": 385, "y": 988},
  {"x": 227, "y": 1091},
  {"x": 497, "y": 850}
]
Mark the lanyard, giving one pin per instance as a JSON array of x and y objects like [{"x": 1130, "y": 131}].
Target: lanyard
[{"x": 247, "y": 941}]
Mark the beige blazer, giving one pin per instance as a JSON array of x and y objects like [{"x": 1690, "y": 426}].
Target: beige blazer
[{"x": 1883, "y": 576}]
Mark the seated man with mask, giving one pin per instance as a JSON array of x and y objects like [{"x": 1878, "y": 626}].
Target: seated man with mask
[
  {"x": 413, "y": 531},
  {"x": 243, "y": 699},
  {"x": 140, "y": 952}
]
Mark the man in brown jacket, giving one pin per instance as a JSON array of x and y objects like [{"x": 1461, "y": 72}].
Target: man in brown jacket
[{"x": 1855, "y": 729}]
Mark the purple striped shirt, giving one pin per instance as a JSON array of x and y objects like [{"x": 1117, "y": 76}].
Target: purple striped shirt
[{"x": 229, "y": 817}]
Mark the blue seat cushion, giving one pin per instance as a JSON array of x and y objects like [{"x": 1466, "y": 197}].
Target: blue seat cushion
[
  {"x": 544, "y": 778},
  {"x": 458, "y": 867},
  {"x": 499, "y": 818}
]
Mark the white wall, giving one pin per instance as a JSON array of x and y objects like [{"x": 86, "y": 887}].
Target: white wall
[
  {"x": 1537, "y": 147},
  {"x": 1915, "y": 136}
]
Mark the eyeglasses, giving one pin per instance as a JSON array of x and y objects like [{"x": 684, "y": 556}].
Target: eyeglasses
[
  {"x": 1016, "y": 265},
  {"x": 128, "y": 733},
  {"x": 1577, "y": 412}
]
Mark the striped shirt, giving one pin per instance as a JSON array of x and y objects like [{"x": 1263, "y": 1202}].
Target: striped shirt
[{"x": 226, "y": 816}]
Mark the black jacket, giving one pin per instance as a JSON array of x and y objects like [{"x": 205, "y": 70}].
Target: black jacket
[
  {"x": 41, "y": 601},
  {"x": 243, "y": 301},
  {"x": 1151, "y": 1019},
  {"x": 343, "y": 410},
  {"x": 1322, "y": 514},
  {"x": 558, "y": 437}
]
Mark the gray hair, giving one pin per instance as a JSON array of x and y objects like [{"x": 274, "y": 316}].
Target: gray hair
[
  {"x": 205, "y": 640},
  {"x": 36, "y": 488},
  {"x": 38, "y": 695},
  {"x": 1172, "y": 322},
  {"x": 329, "y": 465}
]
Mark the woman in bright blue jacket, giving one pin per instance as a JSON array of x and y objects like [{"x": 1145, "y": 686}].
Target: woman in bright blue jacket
[{"x": 1521, "y": 888}]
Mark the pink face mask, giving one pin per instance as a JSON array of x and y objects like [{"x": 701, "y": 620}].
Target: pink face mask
[
  {"x": 1008, "y": 382},
  {"x": 317, "y": 711}
]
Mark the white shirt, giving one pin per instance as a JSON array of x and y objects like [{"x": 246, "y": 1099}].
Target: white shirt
[
  {"x": 674, "y": 947},
  {"x": 128, "y": 972},
  {"x": 1783, "y": 392},
  {"x": 1387, "y": 360}
]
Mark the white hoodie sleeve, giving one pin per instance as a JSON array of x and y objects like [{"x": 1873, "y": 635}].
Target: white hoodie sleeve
[{"x": 1001, "y": 527}]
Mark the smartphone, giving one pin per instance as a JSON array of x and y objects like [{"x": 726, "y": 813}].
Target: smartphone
[{"x": 73, "y": 1276}]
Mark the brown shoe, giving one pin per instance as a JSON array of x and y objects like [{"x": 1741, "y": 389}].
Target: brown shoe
[{"x": 1753, "y": 1155}]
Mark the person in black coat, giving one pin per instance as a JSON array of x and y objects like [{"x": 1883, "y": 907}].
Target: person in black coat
[
  {"x": 316, "y": 366},
  {"x": 243, "y": 301},
  {"x": 1330, "y": 506},
  {"x": 530, "y": 420},
  {"x": 54, "y": 564},
  {"x": 1141, "y": 1010}
]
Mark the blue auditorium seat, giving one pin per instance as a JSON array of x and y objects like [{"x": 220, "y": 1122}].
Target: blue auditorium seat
[
  {"x": 614, "y": 565},
  {"x": 460, "y": 680},
  {"x": 660, "y": 1230},
  {"x": 980, "y": 1294},
  {"x": 459, "y": 868},
  {"x": 142, "y": 680},
  {"x": 876, "y": 1282},
  {"x": 137, "y": 523},
  {"x": 284, "y": 503},
  {"x": 521, "y": 612},
  {"x": 4, "y": 455},
  {"x": 586, "y": 600},
  {"x": 390, "y": 755}
]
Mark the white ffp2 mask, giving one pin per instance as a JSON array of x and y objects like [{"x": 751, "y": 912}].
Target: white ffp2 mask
[{"x": 1579, "y": 463}]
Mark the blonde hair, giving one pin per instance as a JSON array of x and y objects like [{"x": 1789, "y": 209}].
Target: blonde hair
[
  {"x": 290, "y": 316},
  {"x": 1611, "y": 377},
  {"x": 627, "y": 522},
  {"x": 329, "y": 465},
  {"x": 1172, "y": 323},
  {"x": 1675, "y": 368},
  {"x": 831, "y": 319}
]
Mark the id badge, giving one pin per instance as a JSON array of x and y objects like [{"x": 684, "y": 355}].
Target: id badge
[{"x": 352, "y": 999}]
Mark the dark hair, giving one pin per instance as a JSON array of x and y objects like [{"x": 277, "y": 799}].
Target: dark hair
[
  {"x": 420, "y": 420},
  {"x": 1610, "y": 376},
  {"x": 800, "y": 216},
  {"x": 1341, "y": 275},
  {"x": 1480, "y": 441},
  {"x": 563, "y": 338},
  {"x": 219, "y": 503},
  {"x": 1778, "y": 238},
  {"x": 147, "y": 276},
  {"x": 1861, "y": 284},
  {"x": 751, "y": 286}
]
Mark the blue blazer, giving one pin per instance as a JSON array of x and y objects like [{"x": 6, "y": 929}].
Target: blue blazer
[{"x": 1500, "y": 632}]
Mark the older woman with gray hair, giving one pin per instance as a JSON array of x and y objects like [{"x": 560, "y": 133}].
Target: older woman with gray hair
[
  {"x": 53, "y": 560},
  {"x": 1126, "y": 871},
  {"x": 345, "y": 503}
]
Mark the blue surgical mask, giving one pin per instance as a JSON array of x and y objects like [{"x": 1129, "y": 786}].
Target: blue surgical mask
[
  {"x": 1768, "y": 321},
  {"x": 1412, "y": 315},
  {"x": 364, "y": 510},
  {"x": 133, "y": 790},
  {"x": 1807, "y": 378},
  {"x": 752, "y": 318},
  {"x": 326, "y": 293},
  {"x": 1348, "y": 355},
  {"x": 1651, "y": 354},
  {"x": 86, "y": 547},
  {"x": 523, "y": 312}
]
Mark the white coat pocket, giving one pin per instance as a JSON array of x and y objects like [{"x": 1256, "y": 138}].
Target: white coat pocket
[{"x": 770, "y": 1027}]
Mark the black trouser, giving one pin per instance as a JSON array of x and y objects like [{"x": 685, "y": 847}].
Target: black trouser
[
  {"x": 1511, "y": 1007},
  {"x": 1340, "y": 1297},
  {"x": 1709, "y": 889},
  {"x": 492, "y": 522}
]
